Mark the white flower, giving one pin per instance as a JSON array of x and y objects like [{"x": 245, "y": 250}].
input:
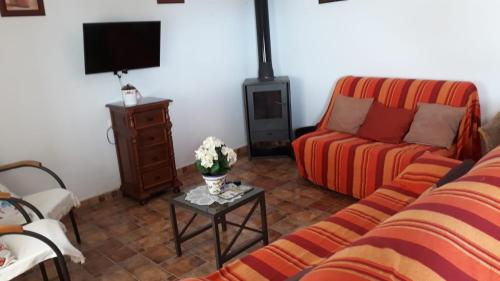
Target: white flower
[
  {"x": 230, "y": 155},
  {"x": 212, "y": 142},
  {"x": 207, "y": 162},
  {"x": 207, "y": 153},
  {"x": 199, "y": 153}
]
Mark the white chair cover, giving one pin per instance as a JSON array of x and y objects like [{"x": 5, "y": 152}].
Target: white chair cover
[{"x": 29, "y": 252}]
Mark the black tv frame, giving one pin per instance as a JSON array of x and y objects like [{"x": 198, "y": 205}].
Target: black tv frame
[{"x": 124, "y": 70}]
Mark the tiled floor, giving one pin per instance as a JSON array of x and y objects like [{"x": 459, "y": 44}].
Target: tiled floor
[{"x": 125, "y": 241}]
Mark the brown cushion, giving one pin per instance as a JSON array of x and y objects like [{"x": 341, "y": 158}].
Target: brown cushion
[
  {"x": 385, "y": 124},
  {"x": 435, "y": 125},
  {"x": 348, "y": 114},
  {"x": 490, "y": 134}
]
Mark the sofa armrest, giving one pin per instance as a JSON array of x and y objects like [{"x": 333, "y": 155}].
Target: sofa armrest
[{"x": 304, "y": 130}]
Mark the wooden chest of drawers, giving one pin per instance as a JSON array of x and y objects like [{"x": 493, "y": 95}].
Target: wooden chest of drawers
[{"x": 144, "y": 147}]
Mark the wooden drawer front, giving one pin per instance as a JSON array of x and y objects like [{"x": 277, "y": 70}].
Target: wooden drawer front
[
  {"x": 149, "y": 118},
  {"x": 151, "y": 136},
  {"x": 156, "y": 177},
  {"x": 154, "y": 155}
]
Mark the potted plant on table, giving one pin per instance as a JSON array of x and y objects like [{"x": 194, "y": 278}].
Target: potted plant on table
[{"x": 214, "y": 160}]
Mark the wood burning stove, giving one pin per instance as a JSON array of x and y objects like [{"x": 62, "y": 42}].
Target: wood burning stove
[
  {"x": 267, "y": 98},
  {"x": 268, "y": 116}
]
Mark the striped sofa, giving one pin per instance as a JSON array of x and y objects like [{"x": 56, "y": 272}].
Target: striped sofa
[
  {"x": 355, "y": 166},
  {"x": 452, "y": 234},
  {"x": 313, "y": 245}
]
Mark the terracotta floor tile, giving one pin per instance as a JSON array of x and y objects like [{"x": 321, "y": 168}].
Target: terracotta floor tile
[
  {"x": 159, "y": 253},
  {"x": 150, "y": 272},
  {"x": 134, "y": 262},
  {"x": 116, "y": 273},
  {"x": 119, "y": 253},
  {"x": 182, "y": 265},
  {"x": 96, "y": 263},
  {"x": 284, "y": 226},
  {"x": 124, "y": 241}
]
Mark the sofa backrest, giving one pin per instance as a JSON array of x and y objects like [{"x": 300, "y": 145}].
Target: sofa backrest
[{"x": 408, "y": 93}]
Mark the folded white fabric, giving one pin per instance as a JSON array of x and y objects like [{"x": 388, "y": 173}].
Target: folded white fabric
[
  {"x": 52, "y": 203},
  {"x": 30, "y": 252}
]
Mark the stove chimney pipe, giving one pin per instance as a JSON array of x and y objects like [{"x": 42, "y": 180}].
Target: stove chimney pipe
[{"x": 266, "y": 72}]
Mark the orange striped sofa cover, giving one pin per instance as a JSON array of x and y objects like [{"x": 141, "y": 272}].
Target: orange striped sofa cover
[
  {"x": 355, "y": 166},
  {"x": 452, "y": 234},
  {"x": 314, "y": 244}
]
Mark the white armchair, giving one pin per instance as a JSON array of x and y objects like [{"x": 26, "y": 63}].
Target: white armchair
[{"x": 53, "y": 203}]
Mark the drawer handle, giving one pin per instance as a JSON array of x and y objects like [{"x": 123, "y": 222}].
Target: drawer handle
[
  {"x": 150, "y": 119},
  {"x": 152, "y": 138}
]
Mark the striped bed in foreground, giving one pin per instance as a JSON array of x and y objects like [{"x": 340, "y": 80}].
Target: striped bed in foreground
[
  {"x": 452, "y": 234},
  {"x": 314, "y": 244}
]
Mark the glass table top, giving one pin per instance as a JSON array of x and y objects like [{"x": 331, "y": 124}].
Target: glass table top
[{"x": 216, "y": 208}]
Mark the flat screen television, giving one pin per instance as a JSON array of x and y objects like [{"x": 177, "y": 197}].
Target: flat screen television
[{"x": 117, "y": 46}]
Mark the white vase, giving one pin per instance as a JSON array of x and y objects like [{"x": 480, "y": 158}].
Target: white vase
[
  {"x": 215, "y": 184},
  {"x": 131, "y": 97}
]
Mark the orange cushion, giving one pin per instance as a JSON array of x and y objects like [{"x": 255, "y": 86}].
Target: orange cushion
[{"x": 385, "y": 124}]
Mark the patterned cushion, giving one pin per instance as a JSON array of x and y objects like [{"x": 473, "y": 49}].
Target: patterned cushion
[
  {"x": 312, "y": 245},
  {"x": 356, "y": 166},
  {"x": 6, "y": 257},
  {"x": 452, "y": 234},
  {"x": 8, "y": 213}
]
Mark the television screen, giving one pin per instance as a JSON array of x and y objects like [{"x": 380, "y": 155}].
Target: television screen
[{"x": 120, "y": 46}]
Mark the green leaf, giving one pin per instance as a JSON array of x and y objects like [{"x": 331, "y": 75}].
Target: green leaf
[
  {"x": 215, "y": 168},
  {"x": 200, "y": 168}
]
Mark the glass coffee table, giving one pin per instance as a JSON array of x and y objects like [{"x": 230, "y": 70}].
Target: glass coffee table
[{"x": 217, "y": 214}]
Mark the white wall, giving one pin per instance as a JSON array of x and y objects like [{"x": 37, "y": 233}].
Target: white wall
[
  {"x": 436, "y": 39},
  {"x": 52, "y": 112}
]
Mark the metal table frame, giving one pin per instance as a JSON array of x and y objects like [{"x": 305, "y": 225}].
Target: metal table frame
[{"x": 218, "y": 216}]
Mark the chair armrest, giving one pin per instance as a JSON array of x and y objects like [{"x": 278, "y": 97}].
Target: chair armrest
[
  {"x": 11, "y": 229},
  {"x": 20, "y": 164},
  {"x": 5, "y": 195},
  {"x": 32, "y": 164}
]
